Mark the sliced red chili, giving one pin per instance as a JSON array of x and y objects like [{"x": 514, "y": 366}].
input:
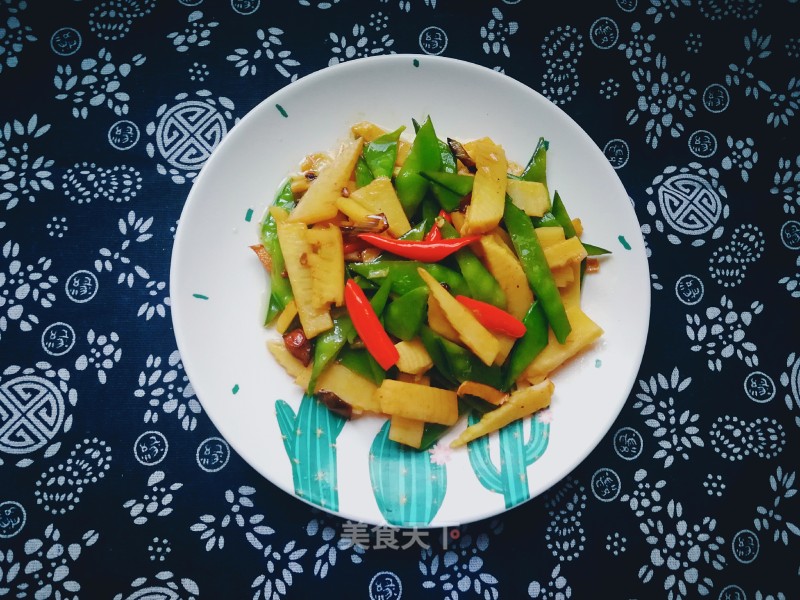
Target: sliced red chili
[
  {"x": 433, "y": 235},
  {"x": 446, "y": 216},
  {"x": 493, "y": 318},
  {"x": 368, "y": 327},
  {"x": 419, "y": 250}
]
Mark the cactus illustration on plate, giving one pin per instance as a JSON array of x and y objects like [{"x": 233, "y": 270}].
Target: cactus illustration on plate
[
  {"x": 516, "y": 455},
  {"x": 408, "y": 487},
  {"x": 310, "y": 441}
]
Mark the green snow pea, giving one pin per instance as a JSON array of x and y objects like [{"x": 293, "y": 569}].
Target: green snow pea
[
  {"x": 364, "y": 175},
  {"x": 381, "y": 296},
  {"x": 457, "y": 183},
  {"x": 465, "y": 366},
  {"x": 433, "y": 432},
  {"x": 548, "y": 219},
  {"x": 360, "y": 361},
  {"x": 327, "y": 346},
  {"x": 424, "y": 155},
  {"x": 529, "y": 345},
  {"x": 381, "y": 153},
  {"x": 280, "y": 288},
  {"x": 448, "y": 199},
  {"x": 449, "y": 187},
  {"x": 405, "y": 277},
  {"x": 406, "y": 314},
  {"x": 534, "y": 263},
  {"x": 481, "y": 283},
  {"x": 536, "y": 169},
  {"x": 592, "y": 250},
  {"x": 562, "y": 216},
  {"x": 429, "y": 212},
  {"x": 430, "y": 339},
  {"x": 456, "y": 363}
]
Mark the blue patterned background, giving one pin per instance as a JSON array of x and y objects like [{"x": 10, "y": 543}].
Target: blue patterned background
[{"x": 114, "y": 484}]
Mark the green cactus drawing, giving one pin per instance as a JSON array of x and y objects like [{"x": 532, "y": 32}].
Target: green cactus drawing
[
  {"x": 408, "y": 487},
  {"x": 511, "y": 478},
  {"x": 310, "y": 441}
]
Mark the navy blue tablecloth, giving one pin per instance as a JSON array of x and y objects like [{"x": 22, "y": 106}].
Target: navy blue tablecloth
[{"x": 114, "y": 483}]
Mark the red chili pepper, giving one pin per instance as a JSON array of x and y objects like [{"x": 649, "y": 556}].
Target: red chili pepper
[
  {"x": 493, "y": 318},
  {"x": 446, "y": 216},
  {"x": 435, "y": 234},
  {"x": 422, "y": 250},
  {"x": 368, "y": 327}
]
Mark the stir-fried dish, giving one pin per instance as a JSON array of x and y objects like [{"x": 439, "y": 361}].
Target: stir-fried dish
[{"x": 424, "y": 279}]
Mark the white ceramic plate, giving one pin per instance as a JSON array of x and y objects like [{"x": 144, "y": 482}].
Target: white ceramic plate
[{"x": 219, "y": 292}]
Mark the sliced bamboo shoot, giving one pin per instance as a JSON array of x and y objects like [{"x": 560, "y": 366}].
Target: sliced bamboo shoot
[
  {"x": 489, "y": 190},
  {"x": 471, "y": 333},
  {"x": 319, "y": 201},
  {"x": 520, "y": 404}
]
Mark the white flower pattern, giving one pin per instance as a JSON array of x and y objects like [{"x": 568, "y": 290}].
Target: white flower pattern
[
  {"x": 333, "y": 546},
  {"x": 664, "y": 99},
  {"x": 103, "y": 354},
  {"x": 23, "y": 289},
  {"x": 722, "y": 334},
  {"x": 166, "y": 387},
  {"x": 197, "y": 33},
  {"x": 281, "y": 561},
  {"x": 360, "y": 44},
  {"x": 496, "y": 32},
  {"x": 23, "y": 175},
  {"x": 675, "y": 430},
  {"x": 458, "y": 570},
  {"x": 681, "y": 551},
  {"x": 97, "y": 82},
  {"x": 270, "y": 49},
  {"x": 42, "y": 567},
  {"x": 156, "y": 502},
  {"x": 14, "y": 36}
]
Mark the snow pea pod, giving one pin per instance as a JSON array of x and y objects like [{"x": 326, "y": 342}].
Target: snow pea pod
[
  {"x": 456, "y": 363},
  {"x": 481, "y": 283},
  {"x": 449, "y": 188},
  {"x": 381, "y": 296},
  {"x": 424, "y": 156},
  {"x": 448, "y": 200},
  {"x": 364, "y": 175},
  {"x": 405, "y": 315},
  {"x": 562, "y": 216},
  {"x": 433, "y": 432},
  {"x": 592, "y": 250},
  {"x": 529, "y": 345},
  {"x": 405, "y": 277},
  {"x": 534, "y": 263},
  {"x": 361, "y": 362},
  {"x": 536, "y": 169},
  {"x": 381, "y": 153},
  {"x": 327, "y": 346},
  {"x": 280, "y": 288},
  {"x": 548, "y": 219},
  {"x": 429, "y": 212},
  {"x": 457, "y": 183}
]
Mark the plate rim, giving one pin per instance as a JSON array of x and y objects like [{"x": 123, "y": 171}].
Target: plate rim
[{"x": 178, "y": 315}]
